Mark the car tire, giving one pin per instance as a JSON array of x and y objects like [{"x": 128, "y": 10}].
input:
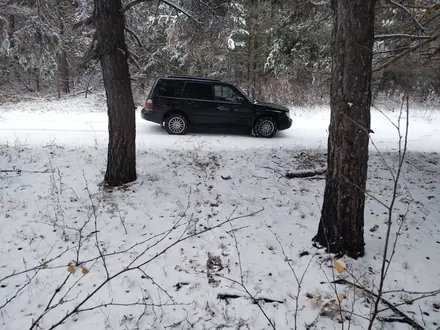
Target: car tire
[
  {"x": 265, "y": 127},
  {"x": 176, "y": 124}
]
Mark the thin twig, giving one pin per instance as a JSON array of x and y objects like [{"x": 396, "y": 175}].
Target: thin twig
[
  {"x": 95, "y": 216},
  {"x": 16, "y": 294},
  {"x": 408, "y": 320},
  {"x": 242, "y": 281},
  {"x": 299, "y": 281},
  {"x": 156, "y": 284},
  {"x": 386, "y": 261},
  {"x": 77, "y": 308},
  {"x": 135, "y": 37}
]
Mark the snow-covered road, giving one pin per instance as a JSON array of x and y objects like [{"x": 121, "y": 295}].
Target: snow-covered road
[{"x": 85, "y": 124}]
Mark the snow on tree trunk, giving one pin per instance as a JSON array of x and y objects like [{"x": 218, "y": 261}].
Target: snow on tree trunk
[
  {"x": 342, "y": 219},
  {"x": 112, "y": 51}
]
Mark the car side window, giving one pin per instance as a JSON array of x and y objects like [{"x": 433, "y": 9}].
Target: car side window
[
  {"x": 198, "y": 91},
  {"x": 169, "y": 88},
  {"x": 224, "y": 93}
]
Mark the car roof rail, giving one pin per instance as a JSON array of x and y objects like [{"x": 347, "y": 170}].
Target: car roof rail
[{"x": 192, "y": 78}]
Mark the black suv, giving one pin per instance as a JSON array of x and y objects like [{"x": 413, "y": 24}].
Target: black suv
[{"x": 176, "y": 102}]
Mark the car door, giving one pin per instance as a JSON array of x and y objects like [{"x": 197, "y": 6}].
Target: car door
[
  {"x": 233, "y": 108},
  {"x": 199, "y": 105}
]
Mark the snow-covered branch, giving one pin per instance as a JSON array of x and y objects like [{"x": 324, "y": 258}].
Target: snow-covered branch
[
  {"x": 407, "y": 51},
  {"x": 169, "y": 3},
  {"x": 399, "y": 35}
]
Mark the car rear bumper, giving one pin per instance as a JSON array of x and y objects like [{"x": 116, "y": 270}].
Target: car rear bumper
[
  {"x": 284, "y": 124},
  {"x": 152, "y": 116}
]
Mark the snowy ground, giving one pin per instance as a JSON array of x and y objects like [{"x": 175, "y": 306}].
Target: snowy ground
[{"x": 53, "y": 212}]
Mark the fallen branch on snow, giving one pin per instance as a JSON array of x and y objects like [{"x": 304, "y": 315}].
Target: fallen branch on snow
[
  {"x": 401, "y": 317},
  {"x": 306, "y": 173},
  {"x": 300, "y": 173},
  {"x": 226, "y": 296},
  {"x": 18, "y": 171}
]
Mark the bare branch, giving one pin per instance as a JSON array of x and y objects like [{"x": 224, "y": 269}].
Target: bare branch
[
  {"x": 405, "y": 9},
  {"x": 410, "y": 301},
  {"x": 156, "y": 284},
  {"x": 28, "y": 282},
  {"x": 49, "y": 307},
  {"x": 77, "y": 308},
  {"x": 137, "y": 303},
  {"x": 241, "y": 282},
  {"x": 407, "y": 51},
  {"x": 95, "y": 216},
  {"x": 135, "y": 37},
  {"x": 386, "y": 260},
  {"x": 394, "y": 50},
  {"x": 398, "y": 312},
  {"x": 170, "y": 4},
  {"x": 85, "y": 22},
  {"x": 43, "y": 265},
  {"x": 299, "y": 281},
  {"x": 398, "y": 36}
]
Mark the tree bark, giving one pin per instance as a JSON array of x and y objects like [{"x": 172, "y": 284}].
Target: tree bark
[
  {"x": 113, "y": 55},
  {"x": 11, "y": 31},
  {"x": 63, "y": 64},
  {"x": 342, "y": 218}
]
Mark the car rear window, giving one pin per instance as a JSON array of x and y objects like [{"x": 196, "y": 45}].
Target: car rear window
[
  {"x": 199, "y": 91},
  {"x": 169, "y": 88}
]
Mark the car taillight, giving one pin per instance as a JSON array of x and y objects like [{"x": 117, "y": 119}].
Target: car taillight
[{"x": 149, "y": 105}]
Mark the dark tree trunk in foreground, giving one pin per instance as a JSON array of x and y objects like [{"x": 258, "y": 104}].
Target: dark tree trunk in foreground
[
  {"x": 112, "y": 52},
  {"x": 341, "y": 227}
]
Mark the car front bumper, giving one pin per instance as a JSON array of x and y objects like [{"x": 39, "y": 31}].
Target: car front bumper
[{"x": 286, "y": 123}]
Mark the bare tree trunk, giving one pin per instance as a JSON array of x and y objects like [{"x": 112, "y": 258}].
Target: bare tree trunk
[
  {"x": 64, "y": 75},
  {"x": 37, "y": 79},
  {"x": 11, "y": 30},
  {"x": 342, "y": 219},
  {"x": 113, "y": 54},
  {"x": 251, "y": 64},
  {"x": 63, "y": 64}
]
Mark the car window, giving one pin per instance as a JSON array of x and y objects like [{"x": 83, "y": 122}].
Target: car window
[
  {"x": 200, "y": 91},
  {"x": 169, "y": 88},
  {"x": 226, "y": 94}
]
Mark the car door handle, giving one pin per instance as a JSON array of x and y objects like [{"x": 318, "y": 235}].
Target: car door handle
[{"x": 222, "y": 108}]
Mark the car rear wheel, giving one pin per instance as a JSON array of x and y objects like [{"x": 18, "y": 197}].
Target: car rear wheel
[
  {"x": 265, "y": 127},
  {"x": 176, "y": 124}
]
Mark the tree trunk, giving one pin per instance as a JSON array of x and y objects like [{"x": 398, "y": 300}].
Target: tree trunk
[
  {"x": 342, "y": 219},
  {"x": 63, "y": 64},
  {"x": 11, "y": 31},
  {"x": 113, "y": 55},
  {"x": 64, "y": 79},
  {"x": 37, "y": 80}
]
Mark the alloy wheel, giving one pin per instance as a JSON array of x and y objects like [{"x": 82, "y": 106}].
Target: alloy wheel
[{"x": 176, "y": 125}]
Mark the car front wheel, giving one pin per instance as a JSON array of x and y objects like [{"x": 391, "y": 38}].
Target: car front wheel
[
  {"x": 265, "y": 127},
  {"x": 176, "y": 124}
]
